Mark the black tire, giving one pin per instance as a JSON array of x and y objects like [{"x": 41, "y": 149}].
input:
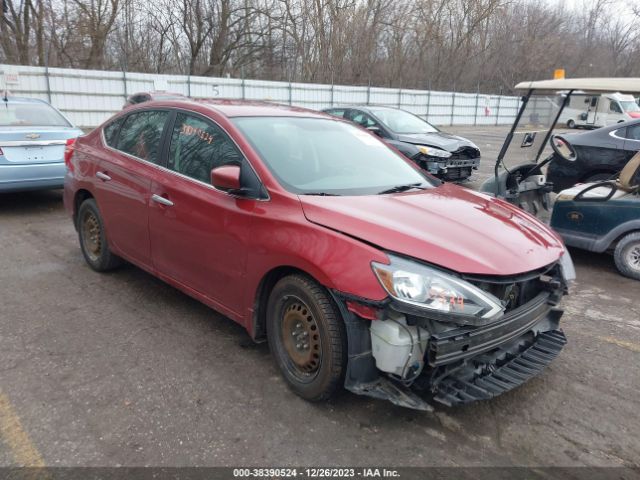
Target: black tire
[
  {"x": 627, "y": 255},
  {"x": 93, "y": 240},
  {"x": 571, "y": 123},
  {"x": 298, "y": 305}
]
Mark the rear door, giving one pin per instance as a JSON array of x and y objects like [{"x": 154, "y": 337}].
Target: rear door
[
  {"x": 198, "y": 233},
  {"x": 123, "y": 182}
]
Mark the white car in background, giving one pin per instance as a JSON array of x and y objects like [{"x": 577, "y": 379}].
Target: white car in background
[{"x": 34, "y": 137}]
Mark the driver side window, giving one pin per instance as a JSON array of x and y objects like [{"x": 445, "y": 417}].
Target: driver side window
[
  {"x": 198, "y": 146},
  {"x": 615, "y": 107}
]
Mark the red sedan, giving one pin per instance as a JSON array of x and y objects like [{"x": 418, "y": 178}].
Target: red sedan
[{"x": 358, "y": 269}]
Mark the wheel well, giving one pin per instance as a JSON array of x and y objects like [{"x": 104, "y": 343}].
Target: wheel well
[
  {"x": 614, "y": 244},
  {"x": 262, "y": 297},
  {"x": 81, "y": 196}
]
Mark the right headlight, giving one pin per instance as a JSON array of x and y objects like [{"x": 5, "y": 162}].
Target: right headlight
[{"x": 419, "y": 285}]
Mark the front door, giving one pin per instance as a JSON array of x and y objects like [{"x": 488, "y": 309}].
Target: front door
[
  {"x": 123, "y": 181},
  {"x": 198, "y": 233}
]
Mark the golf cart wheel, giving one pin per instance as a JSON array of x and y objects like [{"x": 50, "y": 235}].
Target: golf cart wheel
[
  {"x": 93, "y": 240},
  {"x": 627, "y": 255},
  {"x": 306, "y": 337},
  {"x": 571, "y": 124}
]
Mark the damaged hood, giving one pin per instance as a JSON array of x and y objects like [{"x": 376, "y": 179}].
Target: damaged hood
[
  {"x": 449, "y": 226},
  {"x": 441, "y": 140}
]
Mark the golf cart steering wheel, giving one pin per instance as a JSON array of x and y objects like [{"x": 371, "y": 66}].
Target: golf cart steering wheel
[{"x": 563, "y": 148}]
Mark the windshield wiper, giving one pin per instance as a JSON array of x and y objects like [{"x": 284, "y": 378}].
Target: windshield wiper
[
  {"x": 321, "y": 194},
  {"x": 402, "y": 188}
]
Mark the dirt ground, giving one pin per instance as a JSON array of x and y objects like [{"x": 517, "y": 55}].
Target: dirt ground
[{"x": 121, "y": 369}]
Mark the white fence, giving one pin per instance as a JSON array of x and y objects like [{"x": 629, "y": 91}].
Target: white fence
[{"x": 88, "y": 97}]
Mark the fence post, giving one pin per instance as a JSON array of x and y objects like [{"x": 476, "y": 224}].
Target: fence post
[
  {"x": 189, "y": 85},
  {"x": 453, "y": 106},
  {"x": 332, "y": 94},
  {"x": 428, "y": 105},
  {"x": 46, "y": 77},
  {"x": 368, "y": 93},
  {"x": 475, "y": 111},
  {"x": 124, "y": 84},
  {"x": 399, "y": 97},
  {"x": 243, "y": 87},
  {"x": 290, "y": 93},
  {"x": 498, "y": 107}
]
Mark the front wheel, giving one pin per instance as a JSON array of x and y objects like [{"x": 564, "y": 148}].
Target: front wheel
[
  {"x": 93, "y": 240},
  {"x": 627, "y": 255},
  {"x": 307, "y": 337},
  {"x": 571, "y": 124}
]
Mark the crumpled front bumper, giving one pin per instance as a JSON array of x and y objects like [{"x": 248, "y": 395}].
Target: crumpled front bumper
[{"x": 501, "y": 377}]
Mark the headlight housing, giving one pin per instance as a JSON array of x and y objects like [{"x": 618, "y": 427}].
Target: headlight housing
[
  {"x": 426, "y": 287},
  {"x": 433, "y": 152}
]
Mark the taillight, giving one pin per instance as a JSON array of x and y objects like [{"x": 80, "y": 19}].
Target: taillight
[
  {"x": 1, "y": 153},
  {"x": 68, "y": 153}
]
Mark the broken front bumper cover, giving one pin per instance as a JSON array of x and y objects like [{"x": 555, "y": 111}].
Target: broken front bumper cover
[
  {"x": 465, "y": 364},
  {"x": 513, "y": 372}
]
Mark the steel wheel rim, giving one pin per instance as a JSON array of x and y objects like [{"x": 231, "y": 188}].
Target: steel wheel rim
[
  {"x": 633, "y": 257},
  {"x": 300, "y": 338},
  {"x": 91, "y": 236}
]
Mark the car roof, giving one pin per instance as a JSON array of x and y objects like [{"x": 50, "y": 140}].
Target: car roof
[
  {"x": 363, "y": 107},
  {"x": 604, "y": 85},
  {"x": 240, "y": 108}
]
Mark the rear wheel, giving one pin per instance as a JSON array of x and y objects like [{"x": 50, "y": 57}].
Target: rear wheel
[
  {"x": 307, "y": 337},
  {"x": 93, "y": 240},
  {"x": 627, "y": 255}
]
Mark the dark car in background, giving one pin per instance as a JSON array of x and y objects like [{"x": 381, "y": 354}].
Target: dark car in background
[
  {"x": 600, "y": 155},
  {"x": 142, "y": 97},
  {"x": 446, "y": 156}
]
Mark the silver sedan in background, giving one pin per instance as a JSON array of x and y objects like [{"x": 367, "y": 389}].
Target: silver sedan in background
[{"x": 33, "y": 140}]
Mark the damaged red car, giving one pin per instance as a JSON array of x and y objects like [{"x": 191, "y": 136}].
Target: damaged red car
[{"x": 360, "y": 270}]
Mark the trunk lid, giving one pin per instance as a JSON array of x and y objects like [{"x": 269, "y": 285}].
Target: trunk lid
[{"x": 32, "y": 145}]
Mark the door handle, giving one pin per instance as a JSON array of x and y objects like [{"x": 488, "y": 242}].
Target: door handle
[
  {"x": 103, "y": 176},
  {"x": 162, "y": 200}
]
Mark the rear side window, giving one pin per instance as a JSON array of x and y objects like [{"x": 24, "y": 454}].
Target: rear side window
[
  {"x": 140, "y": 135},
  {"x": 633, "y": 132},
  {"x": 198, "y": 146},
  {"x": 336, "y": 112},
  {"x": 111, "y": 132}
]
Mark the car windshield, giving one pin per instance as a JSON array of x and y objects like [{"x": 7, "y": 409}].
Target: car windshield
[
  {"x": 18, "y": 114},
  {"x": 317, "y": 156},
  {"x": 399, "y": 121},
  {"x": 630, "y": 106}
]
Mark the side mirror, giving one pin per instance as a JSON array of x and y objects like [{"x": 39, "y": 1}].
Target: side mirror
[{"x": 226, "y": 178}]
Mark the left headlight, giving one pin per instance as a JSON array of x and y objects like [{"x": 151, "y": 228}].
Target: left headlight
[
  {"x": 433, "y": 152},
  {"x": 416, "y": 284}
]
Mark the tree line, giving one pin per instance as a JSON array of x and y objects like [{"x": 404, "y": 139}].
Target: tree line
[{"x": 462, "y": 45}]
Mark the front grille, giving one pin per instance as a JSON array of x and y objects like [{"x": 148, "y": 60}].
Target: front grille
[
  {"x": 457, "y": 173},
  {"x": 519, "y": 290}
]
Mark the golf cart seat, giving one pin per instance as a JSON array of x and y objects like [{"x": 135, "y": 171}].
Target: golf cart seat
[{"x": 628, "y": 182}]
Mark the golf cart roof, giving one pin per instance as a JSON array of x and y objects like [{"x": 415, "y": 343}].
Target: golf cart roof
[{"x": 622, "y": 85}]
